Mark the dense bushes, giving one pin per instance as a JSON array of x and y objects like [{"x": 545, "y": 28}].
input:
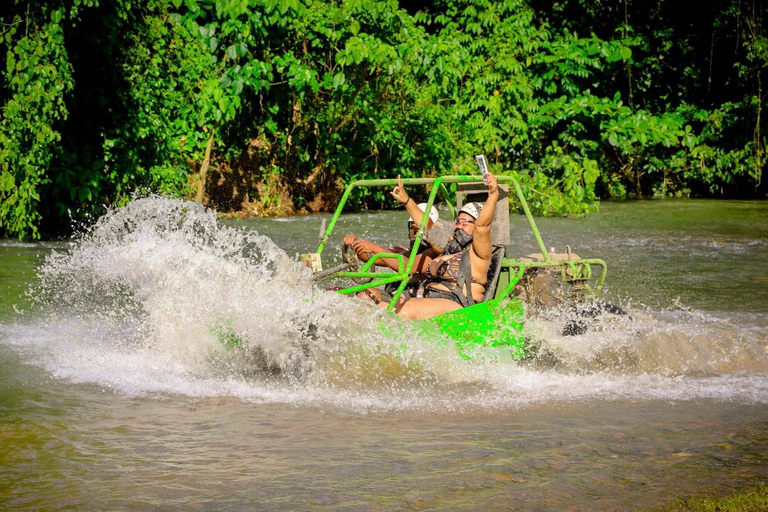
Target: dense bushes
[{"x": 269, "y": 105}]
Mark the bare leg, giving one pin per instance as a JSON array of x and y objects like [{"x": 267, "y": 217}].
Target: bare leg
[
  {"x": 420, "y": 309},
  {"x": 370, "y": 294}
]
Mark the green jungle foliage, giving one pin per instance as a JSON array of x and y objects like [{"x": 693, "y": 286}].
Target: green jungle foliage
[{"x": 268, "y": 106}]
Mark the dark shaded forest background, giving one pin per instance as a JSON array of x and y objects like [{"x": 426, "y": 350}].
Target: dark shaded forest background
[{"x": 267, "y": 107}]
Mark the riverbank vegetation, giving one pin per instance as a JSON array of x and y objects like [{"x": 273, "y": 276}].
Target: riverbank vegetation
[{"x": 267, "y": 106}]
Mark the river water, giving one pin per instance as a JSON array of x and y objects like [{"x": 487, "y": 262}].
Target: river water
[{"x": 116, "y": 392}]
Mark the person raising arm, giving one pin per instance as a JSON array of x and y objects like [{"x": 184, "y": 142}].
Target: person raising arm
[
  {"x": 365, "y": 249},
  {"x": 458, "y": 276}
]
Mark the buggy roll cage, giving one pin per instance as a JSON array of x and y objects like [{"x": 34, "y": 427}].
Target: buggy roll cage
[{"x": 572, "y": 271}]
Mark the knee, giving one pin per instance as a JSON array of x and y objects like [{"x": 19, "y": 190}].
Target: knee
[{"x": 407, "y": 312}]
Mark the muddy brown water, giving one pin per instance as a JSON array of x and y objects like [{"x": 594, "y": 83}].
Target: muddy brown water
[{"x": 116, "y": 392}]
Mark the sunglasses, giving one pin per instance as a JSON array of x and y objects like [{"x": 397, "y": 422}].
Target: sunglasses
[{"x": 464, "y": 222}]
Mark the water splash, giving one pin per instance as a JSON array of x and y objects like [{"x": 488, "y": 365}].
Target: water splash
[
  {"x": 674, "y": 343},
  {"x": 160, "y": 298}
]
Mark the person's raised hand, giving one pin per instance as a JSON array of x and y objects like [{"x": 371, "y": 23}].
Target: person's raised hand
[
  {"x": 399, "y": 192},
  {"x": 493, "y": 184}
]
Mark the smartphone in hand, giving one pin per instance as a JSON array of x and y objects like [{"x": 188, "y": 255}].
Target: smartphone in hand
[{"x": 483, "y": 167}]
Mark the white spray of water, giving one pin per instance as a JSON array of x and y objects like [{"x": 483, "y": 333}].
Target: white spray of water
[
  {"x": 159, "y": 297},
  {"x": 674, "y": 343}
]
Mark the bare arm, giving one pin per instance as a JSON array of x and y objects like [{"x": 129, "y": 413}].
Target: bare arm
[
  {"x": 365, "y": 249},
  {"x": 481, "y": 239},
  {"x": 410, "y": 206}
]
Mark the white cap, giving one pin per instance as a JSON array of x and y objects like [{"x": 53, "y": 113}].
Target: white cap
[
  {"x": 472, "y": 209},
  {"x": 433, "y": 215}
]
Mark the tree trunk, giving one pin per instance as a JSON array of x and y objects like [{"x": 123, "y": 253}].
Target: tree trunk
[{"x": 204, "y": 168}]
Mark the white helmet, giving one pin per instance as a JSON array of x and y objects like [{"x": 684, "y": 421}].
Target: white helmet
[
  {"x": 472, "y": 209},
  {"x": 433, "y": 215}
]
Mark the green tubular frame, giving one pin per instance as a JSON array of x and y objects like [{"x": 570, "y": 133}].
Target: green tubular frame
[{"x": 580, "y": 269}]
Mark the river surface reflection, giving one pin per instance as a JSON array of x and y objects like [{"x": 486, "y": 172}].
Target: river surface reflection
[{"x": 116, "y": 393}]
